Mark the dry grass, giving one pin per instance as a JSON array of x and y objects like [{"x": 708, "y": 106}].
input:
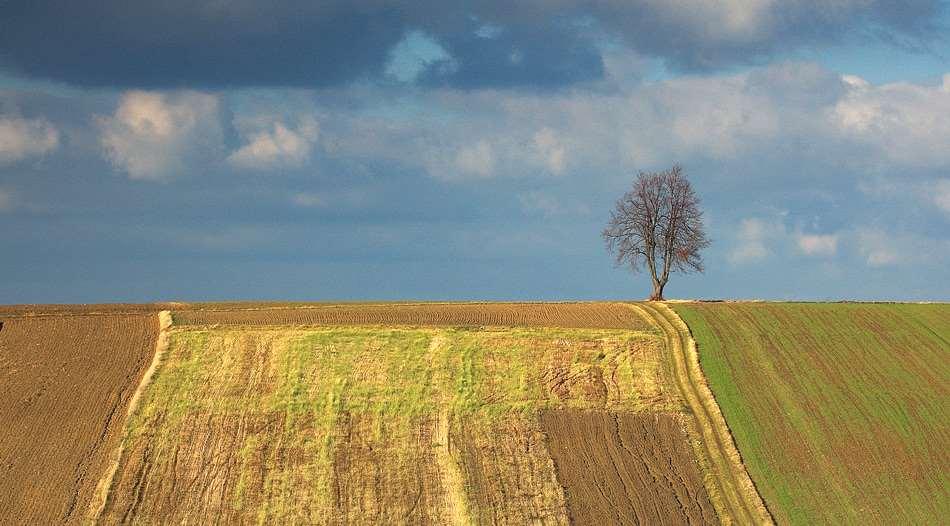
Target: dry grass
[{"x": 292, "y": 402}]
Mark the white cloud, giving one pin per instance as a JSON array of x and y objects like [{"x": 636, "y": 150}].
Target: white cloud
[
  {"x": 752, "y": 240},
  {"x": 154, "y": 136},
  {"x": 277, "y": 145},
  {"x": 882, "y": 248},
  {"x": 878, "y": 248},
  {"x": 477, "y": 159},
  {"x": 906, "y": 123},
  {"x": 550, "y": 150},
  {"x": 817, "y": 244},
  {"x": 6, "y": 200},
  {"x": 23, "y": 138},
  {"x": 720, "y": 117},
  {"x": 623, "y": 129},
  {"x": 798, "y": 111},
  {"x": 896, "y": 189}
]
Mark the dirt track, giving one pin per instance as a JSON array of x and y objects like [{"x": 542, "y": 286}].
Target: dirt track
[
  {"x": 621, "y": 468},
  {"x": 65, "y": 383},
  {"x": 730, "y": 487},
  {"x": 570, "y": 315}
]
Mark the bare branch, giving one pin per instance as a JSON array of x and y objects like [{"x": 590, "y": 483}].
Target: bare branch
[{"x": 658, "y": 224}]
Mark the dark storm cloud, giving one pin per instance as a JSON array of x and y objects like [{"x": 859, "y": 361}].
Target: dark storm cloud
[
  {"x": 195, "y": 44},
  {"x": 703, "y": 36},
  {"x": 313, "y": 44}
]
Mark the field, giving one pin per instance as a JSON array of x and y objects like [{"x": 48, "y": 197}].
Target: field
[
  {"x": 841, "y": 412},
  {"x": 475, "y": 413},
  {"x": 349, "y": 424},
  {"x": 65, "y": 386}
]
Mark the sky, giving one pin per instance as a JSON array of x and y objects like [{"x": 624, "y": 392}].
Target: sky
[{"x": 376, "y": 150}]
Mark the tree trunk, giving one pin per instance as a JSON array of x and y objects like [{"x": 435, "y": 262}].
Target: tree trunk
[{"x": 657, "y": 290}]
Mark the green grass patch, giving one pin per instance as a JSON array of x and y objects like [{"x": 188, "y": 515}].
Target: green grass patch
[{"x": 840, "y": 411}]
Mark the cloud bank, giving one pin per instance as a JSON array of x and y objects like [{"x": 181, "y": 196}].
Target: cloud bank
[{"x": 487, "y": 44}]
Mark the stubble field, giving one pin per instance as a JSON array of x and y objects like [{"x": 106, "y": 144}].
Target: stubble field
[{"x": 408, "y": 424}]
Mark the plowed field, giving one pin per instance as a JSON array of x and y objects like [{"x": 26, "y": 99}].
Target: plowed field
[
  {"x": 579, "y": 315},
  {"x": 627, "y": 468},
  {"x": 841, "y": 412},
  {"x": 65, "y": 385},
  {"x": 420, "y": 425}
]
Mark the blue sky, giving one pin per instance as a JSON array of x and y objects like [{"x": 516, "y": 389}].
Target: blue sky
[{"x": 361, "y": 150}]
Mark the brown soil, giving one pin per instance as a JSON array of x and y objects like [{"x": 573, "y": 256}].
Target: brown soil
[
  {"x": 623, "y": 468},
  {"x": 570, "y": 315},
  {"x": 594, "y": 315},
  {"x": 65, "y": 384},
  {"x": 509, "y": 475},
  {"x": 85, "y": 308}
]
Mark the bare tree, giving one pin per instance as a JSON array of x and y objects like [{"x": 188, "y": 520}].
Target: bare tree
[{"x": 658, "y": 224}]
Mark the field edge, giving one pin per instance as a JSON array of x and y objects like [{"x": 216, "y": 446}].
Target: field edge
[
  {"x": 101, "y": 495},
  {"x": 731, "y": 488}
]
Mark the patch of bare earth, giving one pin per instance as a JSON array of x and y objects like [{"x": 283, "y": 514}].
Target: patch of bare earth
[
  {"x": 625, "y": 468},
  {"x": 65, "y": 386}
]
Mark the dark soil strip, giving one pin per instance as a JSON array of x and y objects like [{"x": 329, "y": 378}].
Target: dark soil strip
[
  {"x": 625, "y": 468},
  {"x": 571, "y": 315},
  {"x": 65, "y": 384}
]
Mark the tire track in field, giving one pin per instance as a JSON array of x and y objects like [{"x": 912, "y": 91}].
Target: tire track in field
[
  {"x": 453, "y": 483},
  {"x": 101, "y": 496},
  {"x": 732, "y": 490}
]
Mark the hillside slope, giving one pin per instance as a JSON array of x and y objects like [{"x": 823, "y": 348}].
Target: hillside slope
[
  {"x": 840, "y": 411},
  {"x": 412, "y": 413}
]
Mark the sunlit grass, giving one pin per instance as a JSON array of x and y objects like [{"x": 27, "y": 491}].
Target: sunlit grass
[
  {"x": 840, "y": 411},
  {"x": 307, "y": 381}
]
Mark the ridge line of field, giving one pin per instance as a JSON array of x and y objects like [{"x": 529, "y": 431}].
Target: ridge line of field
[
  {"x": 734, "y": 492},
  {"x": 78, "y": 309},
  {"x": 101, "y": 496},
  {"x": 315, "y": 305}
]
